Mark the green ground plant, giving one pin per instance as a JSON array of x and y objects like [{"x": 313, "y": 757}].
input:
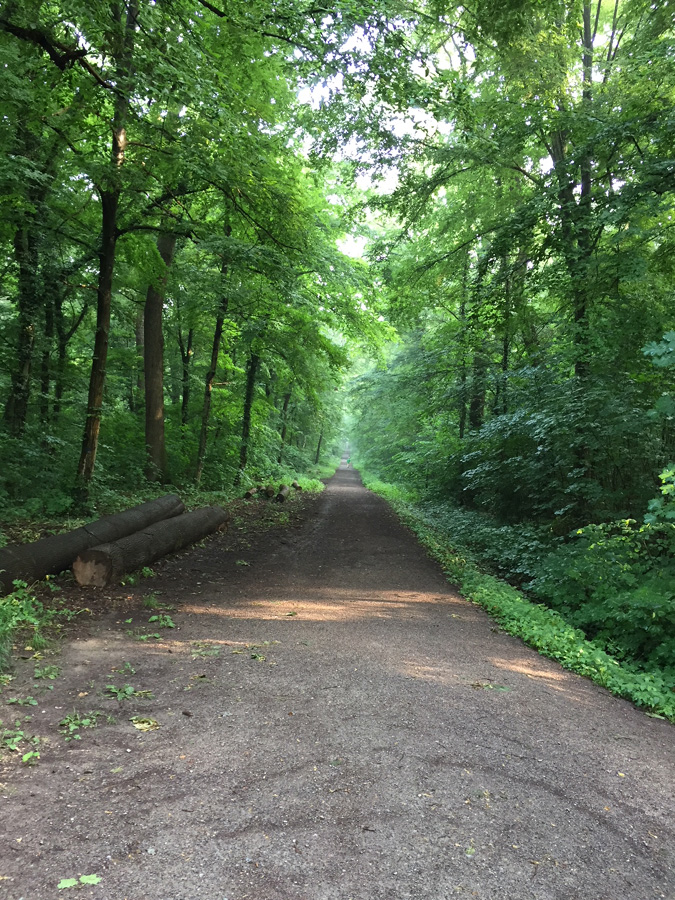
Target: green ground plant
[{"x": 71, "y": 725}]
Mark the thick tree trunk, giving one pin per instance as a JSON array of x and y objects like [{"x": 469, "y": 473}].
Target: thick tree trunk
[
  {"x": 153, "y": 359},
  {"x": 31, "y": 562},
  {"x": 102, "y": 565},
  {"x": 251, "y": 375}
]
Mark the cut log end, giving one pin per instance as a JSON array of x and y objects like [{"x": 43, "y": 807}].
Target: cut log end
[
  {"x": 284, "y": 491},
  {"x": 251, "y": 492},
  {"x": 93, "y": 569}
]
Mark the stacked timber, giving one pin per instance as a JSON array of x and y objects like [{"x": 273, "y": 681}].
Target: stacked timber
[
  {"x": 102, "y": 565},
  {"x": 49, "y": 556}
]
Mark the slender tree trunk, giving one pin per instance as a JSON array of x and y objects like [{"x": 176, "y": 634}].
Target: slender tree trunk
[
  {"x": 477, "y": 402},
  {"x": 211, "y": 374},
  {"x": 251, "y": 375},
  {"x": 318, "y": 448},
  {"x": 138, "y": 374},
  {"x": 186, "y": 354},
  {"x": 46, "y": 361},
  {"x": 26, "y": 255},
  {"x": 109, "y": 205},
  {"x": 63, "y": 337},
  {"x": 153, "y": 359},
  {"x": 284, "y": 423},
  {"x": 462, "y": 345}
]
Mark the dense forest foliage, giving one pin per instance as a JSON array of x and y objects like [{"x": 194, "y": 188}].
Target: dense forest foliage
[{"x": 177, "y": 179}]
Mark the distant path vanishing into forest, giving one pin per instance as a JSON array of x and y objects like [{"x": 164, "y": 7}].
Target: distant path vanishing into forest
[{"x": 336, "y": 724}]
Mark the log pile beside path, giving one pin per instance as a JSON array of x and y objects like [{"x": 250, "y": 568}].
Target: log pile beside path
[
  {"x": 284, "y": 491},
  {"x": 102, "y": 565},
  {"x": 49, "y": 556}
]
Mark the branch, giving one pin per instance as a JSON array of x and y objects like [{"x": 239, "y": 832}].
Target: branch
[{"x": 61, "y": 55}]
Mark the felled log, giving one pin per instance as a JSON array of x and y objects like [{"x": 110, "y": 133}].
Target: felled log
[
  {"x": 49, "y": 556},
  {"x": 251, "y": 492},
  {"x": 270, "y": 491},
  {"x": 295, "y": 485},
  {"x": 102, "y": 565},
  {"x": 284, "y": 491}
]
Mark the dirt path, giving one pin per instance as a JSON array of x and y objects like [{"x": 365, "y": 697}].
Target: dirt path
[{"x": 361, "y": 733}]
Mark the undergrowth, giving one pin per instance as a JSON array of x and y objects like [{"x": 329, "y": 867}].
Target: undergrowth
[{"x": 526, "y": 554}]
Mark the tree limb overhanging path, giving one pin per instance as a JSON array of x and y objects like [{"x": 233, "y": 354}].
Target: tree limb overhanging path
[{"x": 336, "y": 722}]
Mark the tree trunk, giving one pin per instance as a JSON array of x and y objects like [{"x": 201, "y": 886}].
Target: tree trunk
[
  {"x": 211, "y": 374},
  {"x": 109, "y": 204},
  {"x": 477, "y": 402},
  {"x": 186, "y": 354},
  {"x": 31, "y": 562},
  {"x": 284, "y": 423},
  {"x": 85, "y": 469},
  {"x": 138, "y": 374},
  {"x": 251, "y": 374},
  {"x": 26, "y": 255},
  {"x": 102, "y": 565},
  {"x": 46, "y": 361},
  {"x": 318, "y": 448},
  {"x": 63, "y": 337},
  {"x": 153, "y": 358}
]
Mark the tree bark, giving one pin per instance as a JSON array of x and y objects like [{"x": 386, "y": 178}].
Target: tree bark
[
  {"x": 251, "y": 374},
  {"x": 211, "y": 374},
  {"x": 26, "y": 255},
  {"x": 186, "y": 354},
  {"x": 109, "y": 205},
  {"x": 284, "y": 423},
  {"x": 31, "y": 562},
  {"x": 106, "y": 563},
  {"x": 153, "y": 360},
  {"x": 318, "y": 448}
]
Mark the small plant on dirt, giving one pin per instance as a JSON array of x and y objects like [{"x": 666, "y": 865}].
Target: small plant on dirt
[
  {"x": 22, "y": 610},
  {"x": 50, "y": 672},
  {"x": 78, "y": 882},
  {"x": 147, "y": 572},
  {"x": 162, "y": 621},
  {"x": 12, "y": 738},
  {"x": 152, "y": 601},
  {"x": 146, "y": 637},
  {"x": 22, "y": 701},
  {"x": 5, "y": 679},
  {"x": 125, "y": 669},
  {"x": 126, "y": 692},
  {"x": 70, "y": 725}
]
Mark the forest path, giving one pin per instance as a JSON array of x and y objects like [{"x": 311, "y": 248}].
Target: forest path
[{"x": 362, "y": 733}]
